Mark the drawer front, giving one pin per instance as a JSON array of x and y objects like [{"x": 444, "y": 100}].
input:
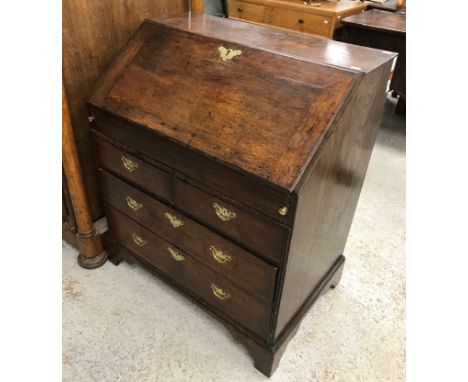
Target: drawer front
[
  {"x": 247, "y": 11},
  {"x": 137, "y": 171},
  {"x": 302, "y": 22},
  {"x": 186, "y": 271},
  {"x": 241, "y": 267},
  {"x": 258, "y": 235}
]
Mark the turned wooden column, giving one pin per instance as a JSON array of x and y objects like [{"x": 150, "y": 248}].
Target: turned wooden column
[
  {"x": 198, "y": 5},
  {"x": 92, "y": 254}
]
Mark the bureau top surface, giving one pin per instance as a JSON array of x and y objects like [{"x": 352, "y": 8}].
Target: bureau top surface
[
  {"x": 298, "y": 45},
  {"x": 379, "y": 20},
  {"x": 261, "y": 112}
]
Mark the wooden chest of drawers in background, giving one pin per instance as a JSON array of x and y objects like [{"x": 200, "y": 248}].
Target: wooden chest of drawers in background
[
  {"x": 323, "y": 20},
  {"x": 382, "y": 30},
  {"x": 233, "y": 170}
]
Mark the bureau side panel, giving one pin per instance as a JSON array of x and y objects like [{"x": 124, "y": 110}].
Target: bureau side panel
[{"x": 328, "y": 197}]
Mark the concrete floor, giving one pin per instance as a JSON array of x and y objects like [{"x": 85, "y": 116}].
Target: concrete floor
[{"x": 123, "y": 324}]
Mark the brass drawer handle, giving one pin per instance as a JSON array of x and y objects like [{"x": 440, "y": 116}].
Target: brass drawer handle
[
  {"x": 176, "y": 255},
  {"x": 219, "y": 293},
  {"x": 223, "y": 213},
  {"x": 219, "y": 256},
  {"x": 175, "y": 222},
  {"x": 138, "y": 240},
  {"x": 133, "y": 204},
  {"x": 129, "y": 164}
]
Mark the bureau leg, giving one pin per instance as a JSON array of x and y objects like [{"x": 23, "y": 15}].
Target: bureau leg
[
  {"x": 401, "y": 105},
  {"x": 116, "y": 260},
  {"x": 335, "y": 280},
  {"x": 266, "y": 360},
  {"x": 336, "y": 277},
  {"x": 115, "y": 252}
]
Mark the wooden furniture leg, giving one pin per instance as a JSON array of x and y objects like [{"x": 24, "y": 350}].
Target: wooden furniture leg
[
  {"x": 267, "y": 358},
  {"x": 401, "y": 105},
  {"x": 198, "y": 5},
  {"x": 115, "y": 252},
  {"x": 92, "y": 254}
]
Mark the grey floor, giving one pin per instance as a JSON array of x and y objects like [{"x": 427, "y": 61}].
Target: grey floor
[{"x": 123, "y": 324}]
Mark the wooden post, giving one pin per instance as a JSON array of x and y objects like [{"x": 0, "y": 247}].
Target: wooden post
[
  {"x": 198, "y": 5},
  {"x": 92, "y": 254}
]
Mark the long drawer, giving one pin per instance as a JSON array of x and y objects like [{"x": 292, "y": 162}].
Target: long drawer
[
  {"x": 302, "y": 21},
  {"x": 241, "y": 267},
  {"x": 186, "y": 271},
  {"x": 244, "y": 10}
]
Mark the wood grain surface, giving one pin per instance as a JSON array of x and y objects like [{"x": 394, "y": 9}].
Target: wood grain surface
[
  {"x": 233, "y": 185},
  {"x": 282, "y": 42},
  {"x": 178, "y": 86},
  {"x": 244, "y": 268},
  {"x": 379, "y": 20},
  {"x": 93, "y": 33},
  {"x": 389, "y": 5},
  {"x": 382, "y": 30},
  {"x": 330, "y": 194},
  {"x": 292, "y": 118},
  {"x": 190, "y": 273},
  {"x": 322, "y": 20},
  {"x": 151, "y": 178},
  {"x": 267, "y": 239}
]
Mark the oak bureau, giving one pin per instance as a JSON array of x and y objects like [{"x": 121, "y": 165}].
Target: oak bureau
[{"x": 231, "y": 158}]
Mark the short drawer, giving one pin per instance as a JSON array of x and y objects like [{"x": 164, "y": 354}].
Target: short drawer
[
  {"x": 135, "y": 170},
  {"x": 241, "y": 267},
  {"x": 244, "y": 10},
  {"x": 302, "y": 22},
  {"x": 259, "y": 235},
  {"x": 189, "y": 273}
]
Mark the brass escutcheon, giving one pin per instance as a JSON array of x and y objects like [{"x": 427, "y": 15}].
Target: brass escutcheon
[
  {"x": 138, "y": 240},
  {"x": 219, "y": 293},
  {"x": 219, "y": 256},
  {"x": 175, "y": 222},
  {"x": 129, "y": 164},
  {"x": 223, "y": 213},
  {"x": 176, "y": 255},
  {"x": 133, "y": 204},
  {"x": 228, "y": 54}
]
